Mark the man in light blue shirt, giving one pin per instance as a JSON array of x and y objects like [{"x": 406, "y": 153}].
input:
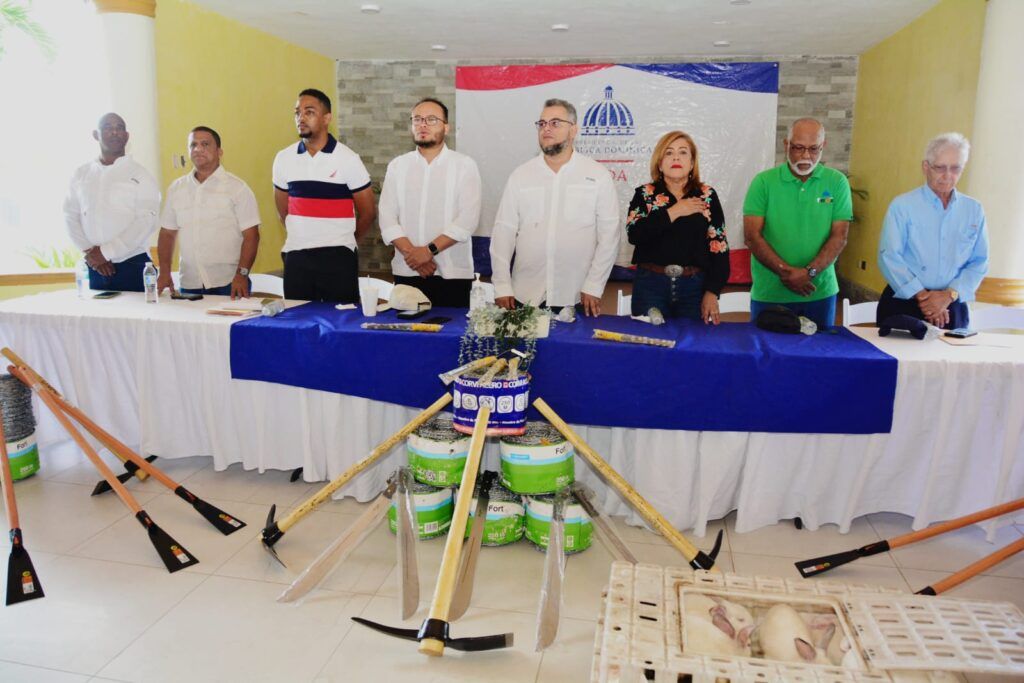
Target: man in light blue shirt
[{"x": 934, "y": 246}]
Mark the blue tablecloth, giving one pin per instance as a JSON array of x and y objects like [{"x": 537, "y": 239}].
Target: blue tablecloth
[{"x": 733, "y": 377}]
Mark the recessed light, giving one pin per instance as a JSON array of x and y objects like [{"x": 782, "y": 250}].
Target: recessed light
[
  {"x": 559, "y": 27},
  {"x": 369, "y": 9},
  {"x": 439, "y": 47},
  {"x": 722, "y": 43},
  {"x": 720, "y": 22},
  {"x": 739, "y": 2}
]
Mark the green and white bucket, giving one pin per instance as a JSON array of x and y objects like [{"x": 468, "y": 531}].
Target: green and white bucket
[
  {"x": 539, "y": 461},
  {"x": 578, "y": 527},
  {"x": 434, "y": 509},
  {"x": 506, "y": 517},
  {"x": 24, "y": 457},
  {"x": 437, "y": 453}
]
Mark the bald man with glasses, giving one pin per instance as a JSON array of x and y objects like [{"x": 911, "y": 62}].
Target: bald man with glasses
[
  {"x": 934, "y": 246},
  {"x": 795, "y": 220},
  {"x": 559, "y": 217}
]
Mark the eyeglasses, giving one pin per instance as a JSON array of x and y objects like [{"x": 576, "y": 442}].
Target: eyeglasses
[
  {"x": 800, "y": 150},
  {"x": 554, "y": 124},
  {"x": 943, "y": 169},
  {"x": 429, "y": 120}
]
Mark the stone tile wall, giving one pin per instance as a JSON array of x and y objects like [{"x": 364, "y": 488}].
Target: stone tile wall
[{"x": 374, "y": 99}]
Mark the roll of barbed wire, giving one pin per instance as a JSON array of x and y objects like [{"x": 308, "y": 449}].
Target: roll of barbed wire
[
  {"x": 19, "y": 426},
  {"x": 437, "y": 452},
  {"x": 539, "y": 461},
  {"x": 505, "y": 521},
  {"x": 434, "y": 508},
  {"x": 578, "y": 527}
]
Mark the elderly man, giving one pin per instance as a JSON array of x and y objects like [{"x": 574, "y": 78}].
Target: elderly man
[
  {"x": 795, "y": 220},
  {"x": 111, "y": 211},
  {"x": 323, "y": 196},
  {"x": 429, "y": 209},
  {"x": 934, "y": 246},
  {"x": 559, "y": 216},
  {"x": 216, "y": 215}
]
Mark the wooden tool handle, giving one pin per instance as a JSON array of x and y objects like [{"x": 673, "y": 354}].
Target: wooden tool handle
[
  {"x": 978, "y": 567},
  {"x": 116, "y": 446},
  {"x": 492, "y": 371},
  {"x": 959, "y": 522},
  {"x": 127, "y": 498},
  {"x": 446, "y": 576},
  {"x": 19, "y": 362},
  {"x": 6, "y": 479},
  {"x": 381, "y": 450},
  {"x": 653, "y": 517}
]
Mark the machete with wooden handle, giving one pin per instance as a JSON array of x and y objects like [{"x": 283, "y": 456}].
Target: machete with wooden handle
[
  {"x": 611, "y": 538},
  {"x": 407, "y": 531},
  {"x": 471, "y": 551},
  {"x": 336, "y": 553},
  {"x": 550, "y": 608},
  {"x": 273, "y": 531},
  {"x": 433, "y": 633}
]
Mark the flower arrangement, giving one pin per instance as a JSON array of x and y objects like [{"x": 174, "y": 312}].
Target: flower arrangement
[{"x": 493, "y": 330}]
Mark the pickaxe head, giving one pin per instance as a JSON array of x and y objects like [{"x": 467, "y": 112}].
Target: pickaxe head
[
  {"x": 271, "y": 534},
  {"x": 437, "y": 629},
  {"x": 704, "y": 560}
]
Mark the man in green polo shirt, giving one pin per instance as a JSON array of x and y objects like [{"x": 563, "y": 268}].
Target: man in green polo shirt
[{"x": 795, "y": 220}]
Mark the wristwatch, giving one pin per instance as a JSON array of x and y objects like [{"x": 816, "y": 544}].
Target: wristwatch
[
  {"x": 243, "y": 271},
  {"x": 812, "y": 272},
  {"x": 953, "y": 294},
  {"x": 433, "y": 248}
]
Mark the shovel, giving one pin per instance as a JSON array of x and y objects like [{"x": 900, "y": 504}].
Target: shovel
[{"x": 22, "y": 581}]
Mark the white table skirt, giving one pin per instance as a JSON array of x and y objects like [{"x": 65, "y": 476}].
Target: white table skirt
[{"x": 159, "y": 376}]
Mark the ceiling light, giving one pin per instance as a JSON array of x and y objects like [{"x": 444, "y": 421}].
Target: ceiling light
[
  {"x": 722, "y": 43},
  {"x": 720, "y": 22},
  {"x": 369, "y": 9},
  {"x": 439, "y": 47},
  {"x": 560, "y": 27},
  {"x": 739, "y": 2}
]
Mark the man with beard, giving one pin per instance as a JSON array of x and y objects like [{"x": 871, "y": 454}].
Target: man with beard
[
  {"x": 795, "y": 220},
  {"x": 216, "y": 215},
  {"x": 429, "y": 209},
  {"x": 934, "y": 246},
  {"x": 323, "y": 195},
  {"x": 559, "y": 217},
  {"x": 111, "y": 211}
]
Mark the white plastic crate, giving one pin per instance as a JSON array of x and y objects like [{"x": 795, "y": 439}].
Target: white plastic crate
[{"x": 639, "y": 635}]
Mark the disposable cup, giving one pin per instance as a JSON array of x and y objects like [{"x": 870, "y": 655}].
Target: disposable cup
[{"x": 368, "y": 298}]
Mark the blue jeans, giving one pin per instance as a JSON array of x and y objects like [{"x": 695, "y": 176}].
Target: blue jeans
[
  {"x": 127, "y": 276},
  {"x": 822, "y": 311},
  {"x": 213, "y": 291},
  {"x": 677, "y": 297}
]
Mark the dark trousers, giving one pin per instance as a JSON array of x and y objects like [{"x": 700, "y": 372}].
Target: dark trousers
[
  {"x": 441, "y": 292},
  {"x": 127, "y": 276},
  {"x": 959, "y": 315},
  {"x": 678, "y": 297},
  {"x": 322, "y": 274}
]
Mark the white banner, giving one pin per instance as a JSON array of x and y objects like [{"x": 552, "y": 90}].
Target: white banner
[{"x": 728, "y": 108}]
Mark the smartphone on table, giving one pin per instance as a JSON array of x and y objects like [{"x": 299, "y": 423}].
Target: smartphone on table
[
  {"x": 961, "y": 333},
  {"x": 105, "y": 295},
  {"x": 179, "y": 296}
]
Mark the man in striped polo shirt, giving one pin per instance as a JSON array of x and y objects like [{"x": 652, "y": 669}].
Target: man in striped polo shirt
[{"x": 323, "y": 195}]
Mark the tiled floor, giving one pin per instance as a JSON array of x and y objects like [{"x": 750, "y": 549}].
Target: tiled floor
[{"x": 112, "y": 612}]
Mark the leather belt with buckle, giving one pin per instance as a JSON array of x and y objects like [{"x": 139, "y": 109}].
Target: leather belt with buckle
[{"x": 672, "y": 271}]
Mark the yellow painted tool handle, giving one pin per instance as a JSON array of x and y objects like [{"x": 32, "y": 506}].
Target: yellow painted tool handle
[
  {"x": 652, "y": 516},
  {"x": 382, "y": 449},
  {"x": 446, "y": 576},
  {"x": 35, "y": 377}
]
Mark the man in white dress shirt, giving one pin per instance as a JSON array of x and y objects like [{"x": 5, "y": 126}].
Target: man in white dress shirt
[
  {"x": 429, "y": 209},
  {"x": 216, "y": 215},
  {"x": 111, "y": 211},
  {"x": 559, "y": 216}
]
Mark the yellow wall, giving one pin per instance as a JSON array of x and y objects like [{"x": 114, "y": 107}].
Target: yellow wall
[
  {"x": 241, "y": 82},
  {"x": 913, "y": 85}
]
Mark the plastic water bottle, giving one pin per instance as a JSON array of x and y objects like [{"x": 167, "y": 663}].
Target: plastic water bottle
[
  {"x": 271, "y": 307},
  {"x": 82, "y": 279},
  {"x": 477, "y": 294},
  {"x": 807, "y": 326},
  {"x": 149, "y": 274}
]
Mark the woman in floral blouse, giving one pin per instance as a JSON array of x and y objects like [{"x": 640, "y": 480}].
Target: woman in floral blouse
[{"x": 678, "y": 228}]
